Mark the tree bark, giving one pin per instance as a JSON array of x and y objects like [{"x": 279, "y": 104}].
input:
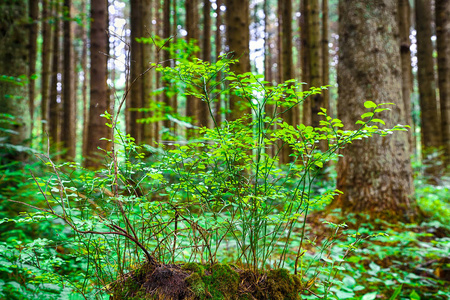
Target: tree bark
[
  {"x": 166, "y": 61},
  {"x": 14, "y": 62},
  {"x": 191, "y": 7},
  {"x": 203, "y": 115},
  {"x": 304, "y": 57},
  {"x": 68, "y": 137},
  {"x": 238, "y": 39},
  {"x": 46, "y": 58},
  {"x": 219, "y": 22},
  {"x": 404, "y": 23},
  {"x": 443, "y": 50},
  {"x": 374, "y": 174},
  {"x": 134, "y": 100},
  {"x": 325, "y": 56},
  {"x": 97, "y": 130},
  {"x": 145, "y": 83},
  {"x": 54, "y": 123},
  {"x": 33, "y": 11},
  {"x": 430, "y": 133},
  {"x": 315, "y": 68},
  {"x": 287, "y": 65}
]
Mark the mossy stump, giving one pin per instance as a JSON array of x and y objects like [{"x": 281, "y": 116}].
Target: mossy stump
[{"x": 193, "y": 281}]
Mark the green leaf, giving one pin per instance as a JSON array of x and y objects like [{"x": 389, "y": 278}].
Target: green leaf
[
  {"x": 378, "y": 121},
  {"x": 367, "y": 115},
  {"x": 396, "y": 292},
  {"x": 369, "y": 296},
  {"x": 369, "y": 104},
  {"x": 414, "y": 296}
]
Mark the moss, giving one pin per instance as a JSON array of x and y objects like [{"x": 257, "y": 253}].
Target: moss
[
  {"x": 224, "y": 282},
  {"x": 196, "y": 284},
  {"x": 194, "y": 267},
  {"x": 281, "y": 285}
]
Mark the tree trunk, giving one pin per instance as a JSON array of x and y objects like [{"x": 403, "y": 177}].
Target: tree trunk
[
  {"x": 218, "y": 106},
  {"x": 443, "y": 49},
  {"x": 191, "y": 7},
  {"x": 33, "y": 11},
  {"x": 14, "y": 62},
  {"x": 84, "y": 85},
  {"x": 147, "y": 52},
  {"x": 203, "y": 115},
  {"x": 98, "y": 83},
  {"x": 430, "y": 133},
  {"x": 287, "y": 71},
  {"x": 315, "y": 68},
  {"x": 304, "y": 57},
  {"x": 46, "y": 58},
  {"x": 238, "y": 40},
  {"x": 68, "y": 137},
  {"x": 54, "y": 121},
  {"x": 325, "y": 56},
  {"x": 404, "y": 23},
  {"x": 134, "y": 100},
  {"x": 166, "y": 60},
  {"x": 374, "y": 174}
]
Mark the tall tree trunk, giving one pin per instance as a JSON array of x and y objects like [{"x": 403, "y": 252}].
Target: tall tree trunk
[
  {"x": 315, "y": 67},
  {"x": 166, "y": 61},
  {"x": 14, "y": 62},
  {"x": 430, "y": 133},
  {"x": 325, "y": 56},
  {"x": 304, "y": 57},
  {"x": 46, "y": 58},
  {"x": 287, "y": 67},
  {"x": 54, "y": 121},
  {"x": 68, "y": 137},
  {"x": 404, "y": 23},
  {"x": 191, "y": 7},
  {"x": 147, "y": 52},
  {"x": 97, "y": 130},
  {"x": 33, "y": 11},
  {"x": 135, "y": 96},
  {"x": 218, "y": 38},
  {"x": 84, "y": 85},
  {"x": 238, "y": 40},
  {"x": 202, "y": 112},
  {"x": 443, "y": 49},
  {"x": 374, "y": 174}
]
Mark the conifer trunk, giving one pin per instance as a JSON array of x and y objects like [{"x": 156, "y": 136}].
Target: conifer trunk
[{"x": 374, "y": 174}]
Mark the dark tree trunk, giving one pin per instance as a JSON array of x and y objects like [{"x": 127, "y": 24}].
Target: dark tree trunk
[
  {"x": 54, "y": 124},
  {"x": 430, "y": 133},
  {"x": 315, "y": 68},
  {"x": 166, "y": 60},
  {"x": 68, "y": 136},
  {"x": 47, "y": 48},
  {"x": 192, "y": 33},
  {"x": 374, "y": 174},
  {"x": 304, "y": 57},
  {"x": 147, "y": 52},
  {"x": 134, "y": 100},
  {"x": 404, "y": 23},
  {"x": 97, "y": 130},
  {"x": 218, "y": 106},
  {"x": 238, "y": 40},
  {"x": 33, "y": 11},
  {"x": 14, "y": 62},
  {"x": 443, "y": 49}
]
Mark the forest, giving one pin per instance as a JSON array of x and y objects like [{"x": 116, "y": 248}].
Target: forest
[{"x": 225, "y": 149}]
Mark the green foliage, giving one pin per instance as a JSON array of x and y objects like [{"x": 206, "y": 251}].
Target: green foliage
[{"x": 218, "y": 198}]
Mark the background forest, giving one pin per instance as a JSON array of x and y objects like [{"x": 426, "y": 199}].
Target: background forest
[{"x": 251, "y": 149}]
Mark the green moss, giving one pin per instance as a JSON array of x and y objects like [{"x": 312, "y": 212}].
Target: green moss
[
  {"x": 282, "y": 285},
  {"x": 196, "y": 284},
  {"x": 224, "y": 282},
  {"x": 194, "y": 267}
]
